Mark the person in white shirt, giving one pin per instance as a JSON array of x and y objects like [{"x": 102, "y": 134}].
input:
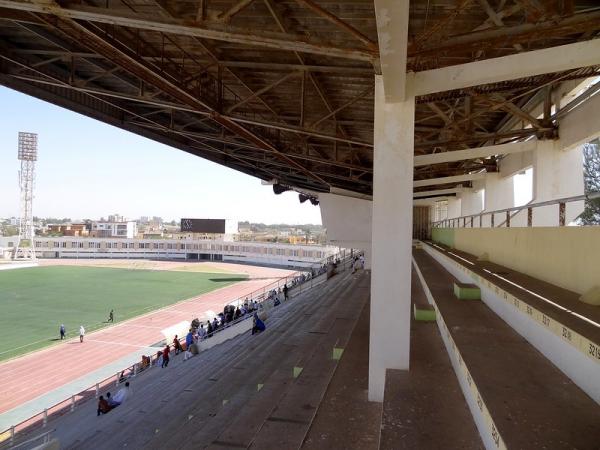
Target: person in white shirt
[
  {"x": 81, "y": 333},
  {"x": 201, "y": 333},
  {"x": 121, "y": 396}
]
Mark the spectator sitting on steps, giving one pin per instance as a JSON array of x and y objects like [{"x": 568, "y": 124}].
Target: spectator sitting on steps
[
  {"x": 121, "y": 396},
  {"x": 201, "y": 333},
  {"x": 258, "y": 325},
  {"x": 103, "y": 406}
]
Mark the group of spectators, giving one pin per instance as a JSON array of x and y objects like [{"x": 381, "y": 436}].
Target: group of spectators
[
  {"x": 198, "y": 333},
  {"x": 105, "y": 405}
]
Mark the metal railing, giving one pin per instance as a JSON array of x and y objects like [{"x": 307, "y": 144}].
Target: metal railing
[
  {"x": 508, "y": 214},
  {"x": 40, "y": 420}
]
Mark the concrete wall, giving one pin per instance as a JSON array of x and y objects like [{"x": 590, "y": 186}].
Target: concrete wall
[
  {"x": 568, "y": 257},
  {"x": 348, "y": 221}
]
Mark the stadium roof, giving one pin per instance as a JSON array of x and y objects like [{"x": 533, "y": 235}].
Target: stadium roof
[{"x": 284, "y": 90}]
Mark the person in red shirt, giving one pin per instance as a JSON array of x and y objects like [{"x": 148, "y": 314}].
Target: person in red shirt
[
  {"x": 103, "y": 406},
  {"x": 165, "y": 362},
  {"x": 177, "y": 345}
]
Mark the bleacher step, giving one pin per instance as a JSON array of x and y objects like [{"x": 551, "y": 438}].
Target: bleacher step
[
  {"x": 424, "y": 408},
  {"x": 519, "y": 398}
]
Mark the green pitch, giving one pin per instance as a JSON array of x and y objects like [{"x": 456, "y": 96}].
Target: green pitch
[{"x": 35, "y": 301}]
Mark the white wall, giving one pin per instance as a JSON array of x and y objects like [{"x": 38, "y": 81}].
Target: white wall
[
  {"x": 348, "y": 221},
  {"x": 556, "y": 174}
]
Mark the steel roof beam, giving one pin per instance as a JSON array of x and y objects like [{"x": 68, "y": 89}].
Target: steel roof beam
[{"x": 272, "y": 40}]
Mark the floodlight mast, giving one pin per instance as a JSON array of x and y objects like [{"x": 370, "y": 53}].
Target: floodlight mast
[{"x": 27, "y": 154}]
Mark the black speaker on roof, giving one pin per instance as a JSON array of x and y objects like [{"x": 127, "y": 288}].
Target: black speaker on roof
[
  {"x": 280, "y": 188},
  {"x": 302, "y": 198}
]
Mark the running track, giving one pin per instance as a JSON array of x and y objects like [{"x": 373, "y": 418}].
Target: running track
[{"x": 37, "y": 373}]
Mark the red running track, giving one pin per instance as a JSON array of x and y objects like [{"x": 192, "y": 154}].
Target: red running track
[{"x": 40, "y": 372}]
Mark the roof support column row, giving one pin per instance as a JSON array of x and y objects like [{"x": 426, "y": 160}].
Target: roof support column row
[{"x": 392, "y": 238}]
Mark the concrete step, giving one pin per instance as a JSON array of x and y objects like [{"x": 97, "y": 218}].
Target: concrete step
[
  {"x": 165, "y": 398},
  {"x": 289, "y": 421},
  {"x": 552, "y": 319},
  {"x": 518, "y": 398},
  {"x": 345, "y": 418},
  {"x": 424, "y": 408}
]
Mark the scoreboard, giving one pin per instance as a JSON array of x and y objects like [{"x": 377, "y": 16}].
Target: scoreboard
[{"x": 216, "y": 226}]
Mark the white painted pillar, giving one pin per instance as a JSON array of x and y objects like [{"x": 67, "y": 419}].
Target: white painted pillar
[
  {"x": 392, "y": 239},
  {"x": 557, "y": 173}
]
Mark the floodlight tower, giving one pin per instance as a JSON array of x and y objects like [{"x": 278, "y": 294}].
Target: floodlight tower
[{"x": 28, "y": 156}]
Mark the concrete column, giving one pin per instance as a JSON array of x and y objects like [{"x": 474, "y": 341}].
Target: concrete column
[
  {"x": 557, "y": 174},
  {"x": 454, "y": 207},
  {"x": 392, "y": 238}
]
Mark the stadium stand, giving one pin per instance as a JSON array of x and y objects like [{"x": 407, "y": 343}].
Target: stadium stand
[{"x": 238, "y": 390}]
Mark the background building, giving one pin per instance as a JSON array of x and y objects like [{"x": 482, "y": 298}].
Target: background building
[{"x": 122, "y": 229}]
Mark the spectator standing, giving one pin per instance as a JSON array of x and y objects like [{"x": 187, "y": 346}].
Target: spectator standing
[
  {"x": 209, "y": 329},
  {"x": 285, "y": 291},
  {"x": 158, "y": 358},
  {"x": 189, "y": 340},
  {"x": 63, "y": 331},
  {"x": 176, "y": 345},
  {"x": 81, "y": 333},
  {"x": 165, "y": 356}
]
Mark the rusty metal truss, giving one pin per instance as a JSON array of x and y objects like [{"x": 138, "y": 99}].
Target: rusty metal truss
[{"x": 283, "y": 89}]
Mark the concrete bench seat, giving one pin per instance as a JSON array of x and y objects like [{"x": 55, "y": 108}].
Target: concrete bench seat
[
  {"x": 423, "y": 312},
  {"x": 569, "y": 310},
  {"x": 552, "y": 319},
  {"x": 424, "y": 408},
  {"x": 518, "y": 398},
  {"x": 466, "y": 291}
]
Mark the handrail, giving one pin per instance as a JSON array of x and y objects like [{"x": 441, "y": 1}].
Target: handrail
[
  {"x": 529, "y": 206},
  {"x": 82, "y": 396}
]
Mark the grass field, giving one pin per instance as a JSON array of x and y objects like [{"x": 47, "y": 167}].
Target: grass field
[{"x": 35, "y": 301}]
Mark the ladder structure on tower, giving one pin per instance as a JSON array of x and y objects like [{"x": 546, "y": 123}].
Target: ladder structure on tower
[{"x": 27, "y": 154}]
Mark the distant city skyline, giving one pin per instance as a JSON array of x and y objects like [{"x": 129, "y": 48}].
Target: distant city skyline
[{"x": 87, "y": 169}]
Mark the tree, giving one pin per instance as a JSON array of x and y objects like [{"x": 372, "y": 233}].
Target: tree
[{"x": 591, "y": 182}]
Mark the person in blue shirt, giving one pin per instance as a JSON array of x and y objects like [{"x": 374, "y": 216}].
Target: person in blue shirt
[
  {"x": 259, "y": 325},
  {"x": 189, "y": 340}
]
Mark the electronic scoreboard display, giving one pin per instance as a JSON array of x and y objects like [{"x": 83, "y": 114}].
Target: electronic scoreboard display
[{"x": 203, "y": 226}]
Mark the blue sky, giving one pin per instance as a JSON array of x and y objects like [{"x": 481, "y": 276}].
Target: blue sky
[{"x": 87, "y": 169}]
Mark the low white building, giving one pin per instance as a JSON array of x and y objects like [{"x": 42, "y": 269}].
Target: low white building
[
  {"x": 122, "y": 229},
  {"x": 260, "y": 253}
]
